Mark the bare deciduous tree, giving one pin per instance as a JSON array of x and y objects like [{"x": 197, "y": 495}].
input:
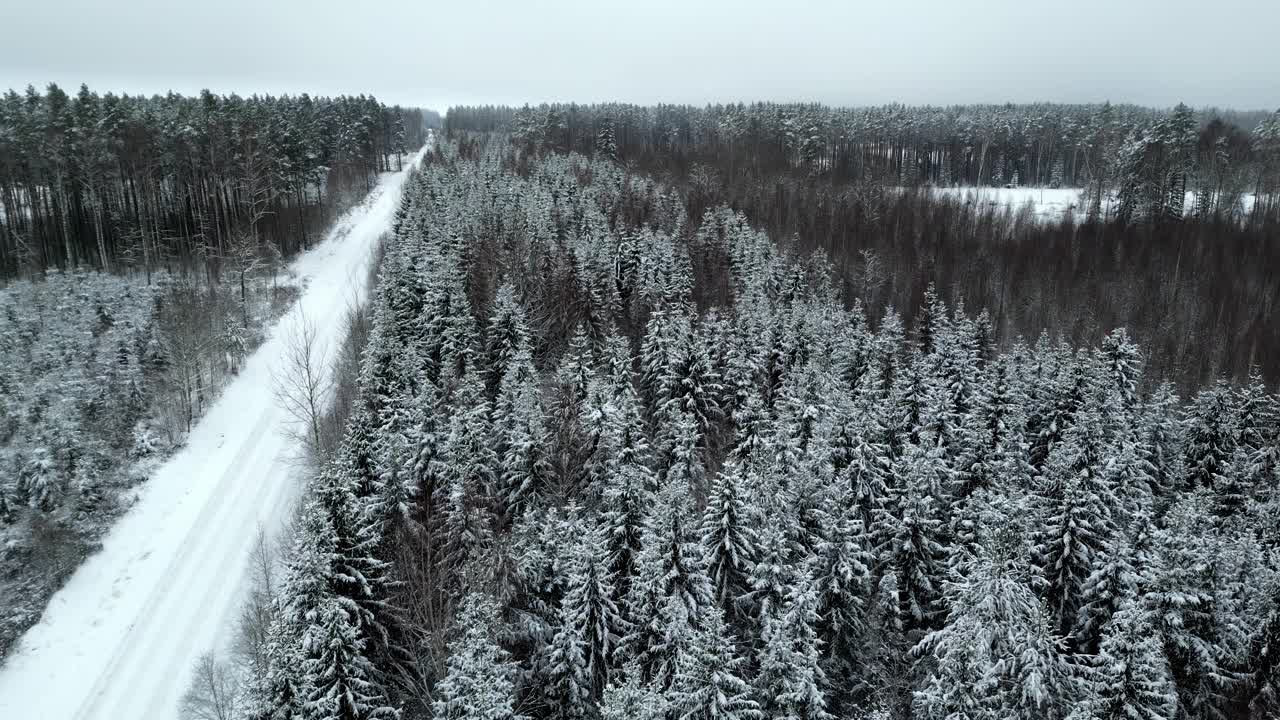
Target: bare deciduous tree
[
  {"x": 213, "y": 694},
  {"x": 257, "y": 613},
  {"x": 303, "y": 388}
]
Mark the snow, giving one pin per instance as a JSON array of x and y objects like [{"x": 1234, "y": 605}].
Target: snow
[
  {"x": 1048, "y": 204},
  {"x": 120, "y": 639}
]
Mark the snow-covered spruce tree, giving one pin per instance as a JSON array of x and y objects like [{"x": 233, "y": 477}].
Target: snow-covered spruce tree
[
  {"x": 359, "y": 578},
  {"x": 279, "y": 692},
  {"x": 506, "y": 335},
  {"x": 572, "y": 442},
  {"x": 1160, "y": 443},
  {"x": 858, "y": 451},
  {"x": 467, "y": 465},
  {"x": 683, "y": 464},
  {"x": 407, "y": 425},
  {"x": 632, "y": 700},
  {"x": 1263, "y": 688},
  {"x": 771, "y": 577},
  {"x": 790, "y": 681},
  {"x": 589, "y": 610},
  {"x": 708, "y": 684},
  {"x": 1078, "y": 501},
  {"x": 479, "y": 680},
  {"x": 519, "y": 435},
  {"x": 1132, "y": 679},
  {"x": 912, "y": 531},
  {"x": 670, "y": 567},
  {"x": 1201, "y": 631},
  {"x": 730, "y": 539},
  {"x": 342, "y": 680},
  {"x": 1123, "y": 363},
  {"x": 996, "y": 655},
  {"x": 567, "y": 687},
  {"x": 628, "y": 499},
  {"x": 841, "y": 571},
  {"x": 1113, "y": 584},
  {"x": 1210, "y": 430},
  {"x": 613, "y": 417},
  {"x": 692, "y": 389}
]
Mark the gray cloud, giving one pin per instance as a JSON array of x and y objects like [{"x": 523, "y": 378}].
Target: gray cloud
[{"x": 1156, "y": 52}]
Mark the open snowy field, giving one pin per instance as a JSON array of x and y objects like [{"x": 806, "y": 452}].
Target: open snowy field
[
  {"x": 119, "y": 640},
  {"x": 1046, "y": 203}
]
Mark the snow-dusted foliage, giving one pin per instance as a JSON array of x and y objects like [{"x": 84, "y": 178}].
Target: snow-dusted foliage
[
  {"x": 659, "y": 468},
  {"x": 100, "y": 377}
]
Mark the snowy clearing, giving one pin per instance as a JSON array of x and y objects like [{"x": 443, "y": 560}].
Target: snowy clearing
[
  {"x": 1048, "y": 204},
  {"x": 119, "y": 640}
]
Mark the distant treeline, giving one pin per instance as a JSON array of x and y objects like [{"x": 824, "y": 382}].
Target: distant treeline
[
  {"x": 1196, "y": 286},
  {"x": 117, "y": 181},
  {"x": 1157, "y": 154}
]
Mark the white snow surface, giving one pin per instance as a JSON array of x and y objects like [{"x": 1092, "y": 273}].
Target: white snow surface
[
  {"x": 1049, "y": 204},
  {"x": 120, "y": 639}
]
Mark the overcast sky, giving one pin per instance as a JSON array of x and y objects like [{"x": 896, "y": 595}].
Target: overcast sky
[{"x": 418, "y": 52}]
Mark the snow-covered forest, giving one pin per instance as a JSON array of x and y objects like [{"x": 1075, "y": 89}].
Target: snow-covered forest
[
  {"x": 1190, "y": 274},
  {"x": 101, "y": 376},
  {"x": 131, "y": 182},
  {"x": 616, "y": 458},
  {"x": 193, "y": 205},
  {"x": 1151, "y": 155}
]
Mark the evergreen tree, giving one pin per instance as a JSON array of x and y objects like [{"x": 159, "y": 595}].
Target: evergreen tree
[
  {"x": 1210, "y": 436},
  {"x": 708, "y": 684},
  {"x": 911, "y": 544},
  {"x": 341, "y": 678},
  {"x": 1078, "y": 525},
  {"x": 791, "y": 682},
  {"x": 729, "y": 539},
  {"x": 842, "y": 586},
  {"x": 590, "y": 612},
  {"x": 1133, "y": 679},
  {"x": 632, "y": 700},
  {"x": 479, "y": 677},
  {"x": 520, "y": 435},
  {"x": 996, "y": 656}
]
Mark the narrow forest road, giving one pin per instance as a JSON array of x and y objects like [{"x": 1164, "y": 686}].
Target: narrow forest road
[{"x": 119, "y": 641}]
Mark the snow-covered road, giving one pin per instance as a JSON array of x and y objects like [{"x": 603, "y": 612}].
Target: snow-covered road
[{"x": 119, "y": 641}]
